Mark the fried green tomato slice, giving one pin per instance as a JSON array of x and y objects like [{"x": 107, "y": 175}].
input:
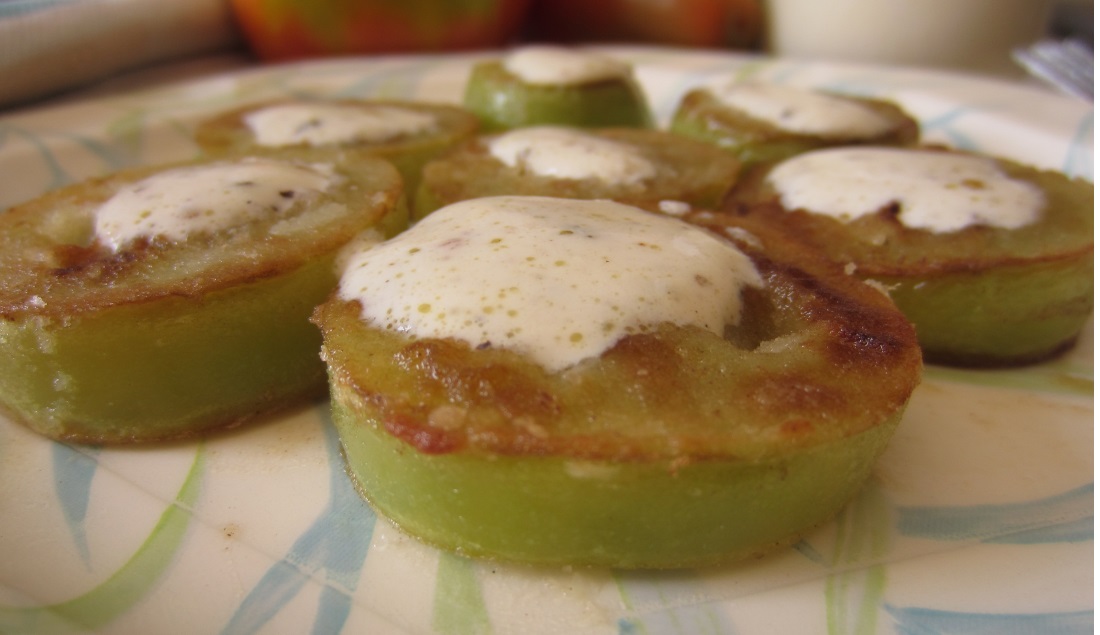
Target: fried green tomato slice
[
  {"x": 646, "y": 168},
  {"x": 115, "y": 327},
  {"x": 985, "y": 284},
  {"x": 544, "y": 85},
  {"x": 405, "y": 133},
  {"x": 674, "y": 447},
  {"x": 764, "y": 122}
]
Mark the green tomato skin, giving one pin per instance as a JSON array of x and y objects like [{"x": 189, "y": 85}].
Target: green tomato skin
[
  {"x": 167, "y": 368},
  {"x": 1008, "y": 316},
  {"x": 503, "y": 102},
  {"x": 558, "y": 511},
  {"x": 749, "y": 150},
  {"x": 702, "y": 116},
  {"x": 171, "y": 367},
  {"x": 187, "y": 337}
]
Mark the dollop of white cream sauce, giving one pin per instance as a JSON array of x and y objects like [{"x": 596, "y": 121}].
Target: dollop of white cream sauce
[
  {"x": 803, "y": 111},
  {"x": 934, "y": 191},
  {"x": 319, "y": 124},
  {"x": 559, "y": 280},
  {"x": 566, "y": 153},
  {"x": 562, "y": 65},
  {"x": 179, "y": 202}
]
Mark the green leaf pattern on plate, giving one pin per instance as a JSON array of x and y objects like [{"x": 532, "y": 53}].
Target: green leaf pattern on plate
[{"x": 128, "y": 585}]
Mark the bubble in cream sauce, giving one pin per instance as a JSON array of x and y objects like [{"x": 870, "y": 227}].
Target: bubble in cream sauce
[
  {"x": 559, "y": 280},
  {"x": 565, "y": 153},
  {"x": 176, "y": 203},
  {"x": 932, "y": 191},
  {"x": 321, "y": 124}
]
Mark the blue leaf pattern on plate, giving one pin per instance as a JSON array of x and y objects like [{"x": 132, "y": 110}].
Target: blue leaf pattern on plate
[
  {"x": 334, "y": 546},
  {"x": 1065, "y": 517},
  {"x": 1079, "y": 157},
  {"x": 922, "y": 621},
  {"x": 58, "y": 176},
  {"x": 945, "y": 124},
  {"x": 701, "y": 619},
  {"x": 73, "y": 471},
  {"x": 125, "y": 587}
]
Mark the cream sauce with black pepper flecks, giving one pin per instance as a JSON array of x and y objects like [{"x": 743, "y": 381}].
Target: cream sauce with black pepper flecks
[
  {"x": 566, "y": 153},
  {"x": 929, "y": 190},
  {"x": 804, "y": 111},
  {"x": 176, "y": 203},
  {"x": 558, "y": 280},
  {"x": 317, "y": 124}
]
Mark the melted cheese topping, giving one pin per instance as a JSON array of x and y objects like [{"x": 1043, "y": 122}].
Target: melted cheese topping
[
  {"x": 325, "y": 124},
  {"x": 560, "y": 65},
  {"x": 933, "y": 191},
  {"x": 559, "y": 280},
  {"x": 804, "y": 111},
  {"x": 177, "y": 203},
  {"x": 571, "y": 154}
]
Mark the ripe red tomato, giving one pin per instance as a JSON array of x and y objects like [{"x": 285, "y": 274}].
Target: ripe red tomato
[{"x": 289, "y": 29}]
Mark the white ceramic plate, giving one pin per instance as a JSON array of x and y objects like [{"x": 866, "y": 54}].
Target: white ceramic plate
[{"x": 978, "y": 519}]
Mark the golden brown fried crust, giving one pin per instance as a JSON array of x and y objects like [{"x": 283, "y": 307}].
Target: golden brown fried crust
[
  {"x": 882, "y": 247},
  {"x": 674, "y": 393},
  {"x": 863, "y": 321},
  {"x": 687, "y": 170},
  {"x": 68, "y": 272}
]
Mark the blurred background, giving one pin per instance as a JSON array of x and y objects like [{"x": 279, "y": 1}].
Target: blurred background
[{"x": 48, "y": 46}]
